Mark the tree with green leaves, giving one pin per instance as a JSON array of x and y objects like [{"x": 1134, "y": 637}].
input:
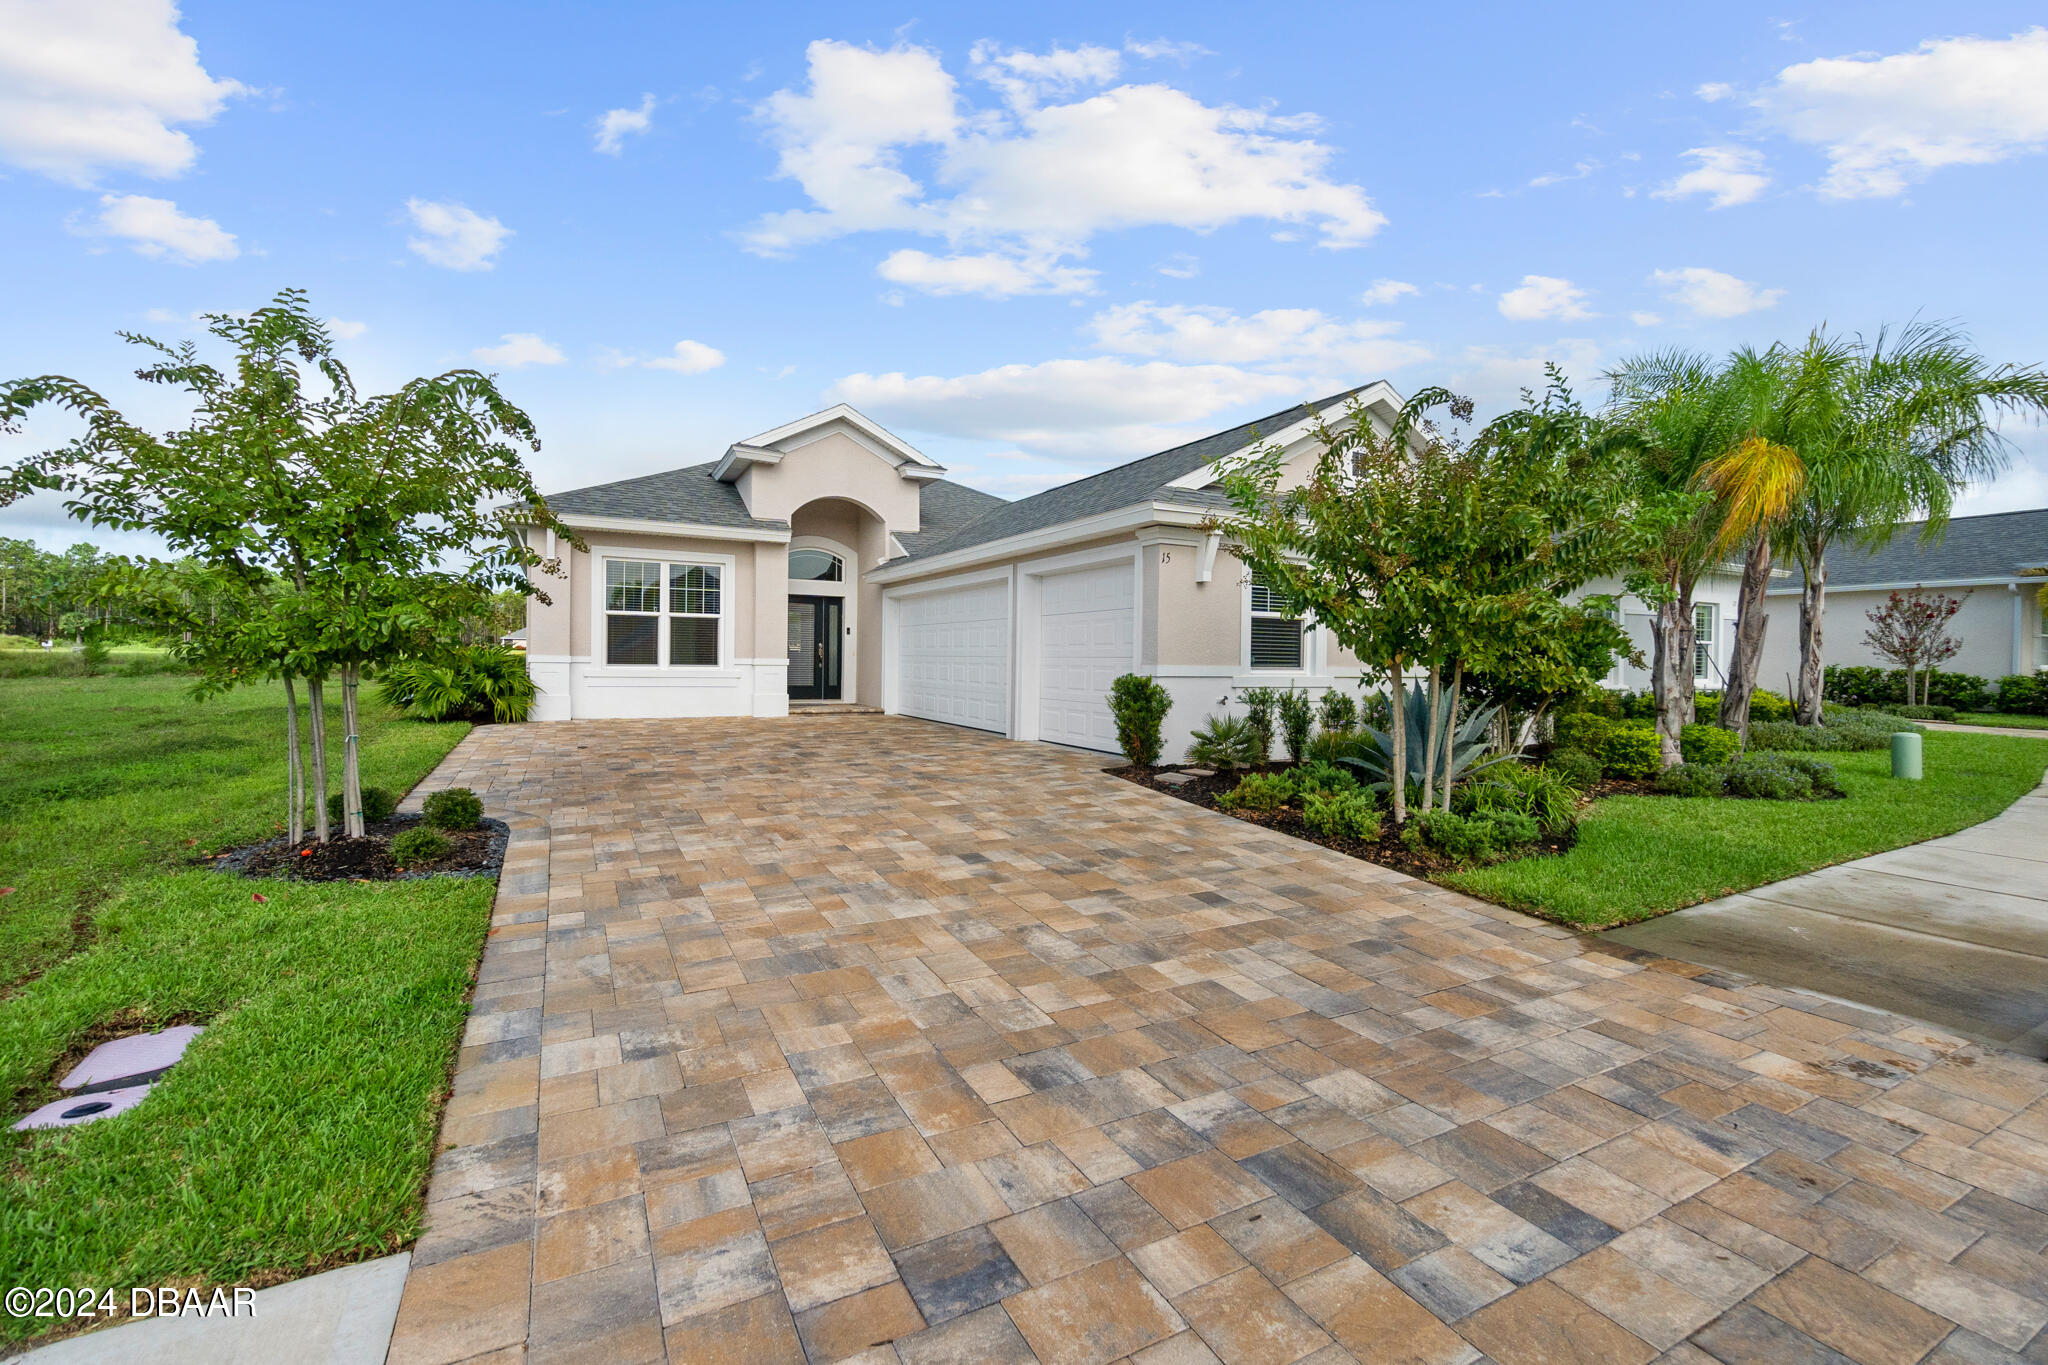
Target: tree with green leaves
[
  {"x": 1423, "y": 553},
  {"x": 1913, "y": 418},
  {"x": 348, "y": 530}
]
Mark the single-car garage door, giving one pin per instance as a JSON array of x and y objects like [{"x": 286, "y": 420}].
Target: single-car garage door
[
  {"x": 953, "y": 653},
  {"x": 1085, "y": 630}
]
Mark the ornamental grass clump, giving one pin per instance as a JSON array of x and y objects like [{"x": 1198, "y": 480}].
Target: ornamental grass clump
[{"x": 1575, "y": 768}]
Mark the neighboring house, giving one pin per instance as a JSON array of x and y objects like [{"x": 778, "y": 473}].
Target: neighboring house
[
  {"x": 829, "y": 560},
  {"x": 1995, "y": 563}
]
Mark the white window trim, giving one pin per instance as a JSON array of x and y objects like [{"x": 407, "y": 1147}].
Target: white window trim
[
  {"x": 1704, "y": 656},
  {"x": 1310, "y": 636},
  {"x": 727, "y": 566}
]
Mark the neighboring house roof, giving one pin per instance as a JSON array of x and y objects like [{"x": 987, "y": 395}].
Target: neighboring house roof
[
  {"x": 1988, "y": 549},
  {"x": 692, "y": 496},
  {"x": 1142, "y": 480}
]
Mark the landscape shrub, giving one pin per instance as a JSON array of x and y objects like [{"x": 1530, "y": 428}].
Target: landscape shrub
[
  {"x": 377, "y": 805},
  {"x": 1139, "y": 705},
  {"x": 1885, "y": 722},
  {"x": 1224, "y": 743},
  {"x": 1575, "y": 768},
  {"x": 1331, "y": 745},
  {"x": 1585, "y": 731},
  {"x": 1297, "y": 720},
  {"x": 1258, "y": 791},
  {"x": 1821, "y": 773},
  {"x": 1468, "y": 838},
  {"x": 1925, "y": 712},
  {"x": 1767, "y": 705},
  {"x": 1766, "y": 777},
  {"x": 421, "y": 845},
  {"x": 1341, "y": 814},
  {"x": 1259, "y": 704},
  {"x": 1707, "y": 744},
  {"x": 1511, "y": 830},
  {"x": 2022, "y": 694},
  {"x": 1692, "y": 779},
  {"x": 1861, "y": 685},
  {"x": 1632, "y": 751},
  {"x": 1963, "y": 691},
  {"x": 1843, "y": 737},
  {"x": 1598, "y": 702},
  {"x": 481, "y": 684},
  {"x": 1338, "y": 710},
  {"x": 453, "y": 808},
  {"x": 1520, "y": 789},
  {"x": 1317, "y": 775},
  {"x": 1639, "y": 705}
]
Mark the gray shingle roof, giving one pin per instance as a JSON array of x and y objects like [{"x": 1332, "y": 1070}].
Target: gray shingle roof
[
  {"x": 692, "y": 496},
  {"x": 1141, "y": 480},
  {"x": 1975, "y": 549},
  {"x": 685, "y": 495}
]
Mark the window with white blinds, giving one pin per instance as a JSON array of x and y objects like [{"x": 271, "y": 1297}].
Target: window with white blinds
[{"x": 1276, "y": 636}]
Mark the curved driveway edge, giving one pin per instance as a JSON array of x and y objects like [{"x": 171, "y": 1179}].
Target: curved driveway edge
[{"x": 876, "y": 1038}]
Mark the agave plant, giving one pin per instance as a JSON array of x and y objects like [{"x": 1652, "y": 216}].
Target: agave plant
[
  {"x": 482, "y": 683},
  {"x": 1372, "y": 750}
]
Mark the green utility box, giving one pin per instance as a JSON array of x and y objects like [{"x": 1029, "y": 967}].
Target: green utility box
[{"x": 1906, "y": 755}]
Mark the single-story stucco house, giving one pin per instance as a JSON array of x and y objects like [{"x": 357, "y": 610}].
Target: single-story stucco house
[
  {"x": 828, "y": 560},
  {"x": 1996, "y": 564}
]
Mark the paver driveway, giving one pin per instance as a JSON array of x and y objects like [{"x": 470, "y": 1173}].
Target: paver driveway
[{"x": 872, "y": 1038}]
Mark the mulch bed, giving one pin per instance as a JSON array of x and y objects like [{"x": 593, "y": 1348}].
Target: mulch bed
[
  {"x": 477, "y": 853},
  {"x": 1387, "y": 852}
]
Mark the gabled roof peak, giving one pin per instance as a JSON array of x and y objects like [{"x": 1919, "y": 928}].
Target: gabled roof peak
[{"x": 770, "y": 446}]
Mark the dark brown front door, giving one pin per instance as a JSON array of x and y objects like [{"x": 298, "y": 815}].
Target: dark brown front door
[{"x": 815, "y": 635}]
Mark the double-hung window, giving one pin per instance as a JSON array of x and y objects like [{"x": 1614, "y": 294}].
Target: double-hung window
[
  {"x": 656, "y": 611},
  {"x": 1276, "y": 635},
  {"x": 1703, "y": 623}
]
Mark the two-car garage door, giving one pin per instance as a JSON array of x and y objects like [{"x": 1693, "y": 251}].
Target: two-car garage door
[{"x": 953, "y": 658}]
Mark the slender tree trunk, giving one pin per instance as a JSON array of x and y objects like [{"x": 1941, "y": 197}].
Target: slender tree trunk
[
  {"x": 316, "y": 706},
  {"x": 1429, "y": 736},
  {"x": 1813, "y": 601},
  {"x": 1451, "y": 728},
  {"x": 1687, "y": 646},
  {"x": 1664, "y": 685},
  {"x": 1397, "y": 731},
  {"x": 351, "y": 768},
  {"x": 294, "y": 773},
  {"x": 1750, "y": 624}
]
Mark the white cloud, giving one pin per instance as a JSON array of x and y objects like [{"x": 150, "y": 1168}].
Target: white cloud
[
  {"x": 1076, "y": 409},
  {"x": 1715, "y": 91},
  {"x": 453, "y": 236},
  {"x": 1729, "y": 175},
  {"x": 1579, "y": 171},
  {"x": 1646, "y": 319},
  {"x": 1494, "y": 376},
  {"x": 1544, "y": 296},
  {"x": 1164, "y": 50},
  {"x": 1035, "y": 179},
  {"x": 155, "y": 228},
  {"x": 1386, "y": 291},
  {"x": 93, "y": 87},
  {"x": 1303, "y": 340},
  {"x": 688, "y": 357},
  {"x": 1180, "y": 266},
  {"x": 519, "y": 350},
  {"x": 1025, "y": 78},
  {"x": 1886, "y": 122},
  {"x": 1713, "y": 294},
  {"x": 345, "y": 330},
  {"x": 616, "y": 124},
  {"x": 989, "y": 274}
]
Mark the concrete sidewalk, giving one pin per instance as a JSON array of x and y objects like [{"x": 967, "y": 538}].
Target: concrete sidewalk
[{"x": 1953, "y": 931}]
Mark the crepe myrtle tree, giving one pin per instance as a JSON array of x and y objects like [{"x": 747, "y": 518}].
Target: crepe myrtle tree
[
  {"x": 1910, "y": 630},
  {"x": 351, "y": 529},
  {"x": 1423, "y": 553}
]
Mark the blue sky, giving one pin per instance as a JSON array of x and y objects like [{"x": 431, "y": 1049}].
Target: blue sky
[{"x": 1035, "y": 241}]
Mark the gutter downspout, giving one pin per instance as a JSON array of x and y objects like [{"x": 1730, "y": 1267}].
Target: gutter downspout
[{"x": 2019, "y": 622}]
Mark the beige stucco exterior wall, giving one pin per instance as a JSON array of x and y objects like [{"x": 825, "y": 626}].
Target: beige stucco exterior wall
[
  {"x": 1984, "y": 625},
  {"x": 833, "y": 466},
  {"x": 567, "y": 626}
]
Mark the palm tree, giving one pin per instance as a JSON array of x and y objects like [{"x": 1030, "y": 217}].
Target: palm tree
[{"x": 1907, "y": 423}]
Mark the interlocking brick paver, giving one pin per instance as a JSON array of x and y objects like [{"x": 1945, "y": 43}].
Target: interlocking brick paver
[{"x": 870, "y": 1039}]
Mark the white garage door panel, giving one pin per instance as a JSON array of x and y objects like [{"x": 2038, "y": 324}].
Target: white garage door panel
[
  {"x": 1086, "y": 627},
  {"x": 953, "y": 653}
]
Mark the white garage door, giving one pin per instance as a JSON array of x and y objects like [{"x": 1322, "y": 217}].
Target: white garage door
[
  {"x": 952, "y": 656},
  {"x": 1085, "y": 630}
]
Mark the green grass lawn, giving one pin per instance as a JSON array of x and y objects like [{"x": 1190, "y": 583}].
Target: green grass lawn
[
  {"x": 2010, "y": 722},
  {"x": 1639, "y": 856},
  {"x": 297, "y": 1131}
]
